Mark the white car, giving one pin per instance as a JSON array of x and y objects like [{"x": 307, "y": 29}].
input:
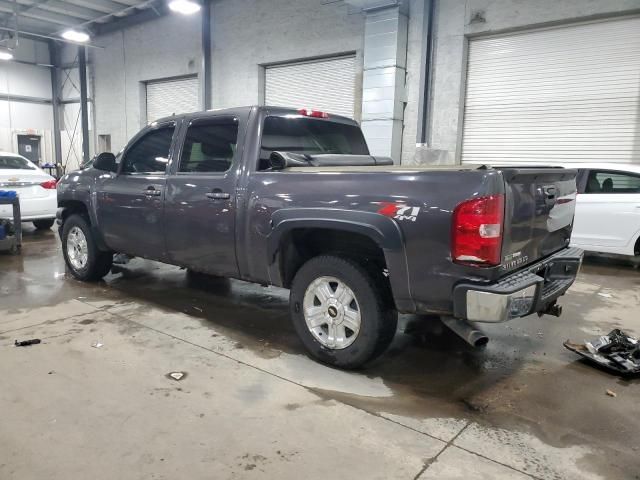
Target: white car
[
  {"x": 607, "y": 217},
  {"x": 36, "y": 189}
]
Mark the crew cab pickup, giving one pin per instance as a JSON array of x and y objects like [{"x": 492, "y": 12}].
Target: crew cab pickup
[{"x": 292, "y": 198}]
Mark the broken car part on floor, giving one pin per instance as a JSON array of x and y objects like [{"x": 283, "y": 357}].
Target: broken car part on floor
[{"x": 616, "y": 351}]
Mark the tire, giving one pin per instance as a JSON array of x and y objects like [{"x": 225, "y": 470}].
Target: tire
[
  {"x": 377, "y": 318},
  {"x": 96, "y": 264},
  {"x": 44, "y": 224}
]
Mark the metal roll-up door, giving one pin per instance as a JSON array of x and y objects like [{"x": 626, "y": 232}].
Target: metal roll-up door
[
  {"x": 327, "y": 85},
  {"x": 166, "y": 97},
  {"x": 565, "y": 94}
]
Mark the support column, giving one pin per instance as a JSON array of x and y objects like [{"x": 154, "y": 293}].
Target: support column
[
  {"x": 383, "y": 82},
  {"x": 206, "y": 55},
  {"x": 426, "y": 62},
  {"x": 84, "y": 106},
  {"x": 54, "y": 54}
]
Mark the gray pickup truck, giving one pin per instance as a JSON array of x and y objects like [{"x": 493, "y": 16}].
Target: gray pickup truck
[{"x": 292, "y": 198}]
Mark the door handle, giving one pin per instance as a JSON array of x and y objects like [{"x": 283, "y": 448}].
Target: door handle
[
  {"x": 218, "y": 195},
  {"x": 152, "y": 192}
]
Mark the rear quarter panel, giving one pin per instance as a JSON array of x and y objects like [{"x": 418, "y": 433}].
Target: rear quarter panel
[{"x": 421, "y": 202}]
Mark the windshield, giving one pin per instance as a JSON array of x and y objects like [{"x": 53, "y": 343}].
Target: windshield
[
  {"x": 15, "y": 163},
  {"x": 311, "y": 136}
]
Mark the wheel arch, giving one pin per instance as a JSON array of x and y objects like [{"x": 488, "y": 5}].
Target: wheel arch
[
  {"x": 67, "y": 207},
  {"x": 376, "y": 237}
]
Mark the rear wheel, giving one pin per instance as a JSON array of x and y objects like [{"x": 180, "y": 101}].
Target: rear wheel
[
  {"x": 81, "y": 254},
  {"x": 340, "y": 312},
  {"x": 44, "y": 224}
]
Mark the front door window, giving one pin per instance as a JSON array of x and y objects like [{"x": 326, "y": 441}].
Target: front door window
[{"x": 150, "y": 154}]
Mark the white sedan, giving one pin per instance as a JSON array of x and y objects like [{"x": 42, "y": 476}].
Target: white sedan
[
  {"x": 607, "y": 217},
  {"x": 36, "y": 189}
]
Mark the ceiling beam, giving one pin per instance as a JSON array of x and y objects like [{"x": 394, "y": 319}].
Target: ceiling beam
[
  {"x": 57, "y": 6},
  {"x": 104, "y": 6},
  {"x": 19, "y": 8},
  {"x": 155, "y": 11},
  {"x": 128, "y": 3},
  {"x": 66, "y": 20},
  {"x": 35, "y": 35}
]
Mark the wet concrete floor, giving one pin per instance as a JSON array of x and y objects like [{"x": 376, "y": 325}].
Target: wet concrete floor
[{"x": 431, "y": 407}]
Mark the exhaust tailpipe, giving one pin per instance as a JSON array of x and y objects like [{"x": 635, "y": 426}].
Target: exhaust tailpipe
[{"x": 466, "y": 331}]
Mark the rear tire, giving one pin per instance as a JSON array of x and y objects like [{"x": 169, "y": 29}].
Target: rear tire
[
  {"x": 341, "y": 312},
  {"x": 81, "y": 254},
  {"x": 44, "y": 224}
]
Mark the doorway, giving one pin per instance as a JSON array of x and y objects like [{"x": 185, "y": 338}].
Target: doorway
[
  {"x": 104, "y": 143},
  {"x": 29, "y": 147}
]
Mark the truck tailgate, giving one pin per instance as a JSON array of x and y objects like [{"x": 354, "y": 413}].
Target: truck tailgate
[{"x": 540, "y": 204}]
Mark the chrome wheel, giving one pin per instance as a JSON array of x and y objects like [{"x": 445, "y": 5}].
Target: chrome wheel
[
  {"x": 331, "y": 312},
  {"x": 77, "y": 249}
]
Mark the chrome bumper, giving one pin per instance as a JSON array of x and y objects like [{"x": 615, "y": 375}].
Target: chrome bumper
[{"x": 528, "y": 291}]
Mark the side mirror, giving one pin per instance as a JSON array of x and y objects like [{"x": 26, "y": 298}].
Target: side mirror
[{"x": 105, "y": 161}]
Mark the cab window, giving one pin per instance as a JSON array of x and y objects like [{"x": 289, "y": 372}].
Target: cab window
[
  {"x": 311, "y": 136},
  {"x": 150, "y": 154},
  {"x": 209, "y": 146}
]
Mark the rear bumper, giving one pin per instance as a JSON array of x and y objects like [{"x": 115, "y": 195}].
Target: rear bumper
[
  {"x": 34, "y": 208},
  {"x": 527, "y": 291}
]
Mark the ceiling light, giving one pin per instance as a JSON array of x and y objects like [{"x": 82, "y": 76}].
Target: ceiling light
[
  {"x": 75, "y": 36},
  {"x": 5, "y": 54},
  {"x": 185, "y": 7}
]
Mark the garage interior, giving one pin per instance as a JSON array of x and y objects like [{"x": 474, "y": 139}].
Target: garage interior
[{"x": 431, "y": 82}]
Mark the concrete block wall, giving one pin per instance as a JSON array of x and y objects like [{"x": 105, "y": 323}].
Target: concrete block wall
[
  {"x": 248, "y": 34},
  {"x": 162, "y": 48}
]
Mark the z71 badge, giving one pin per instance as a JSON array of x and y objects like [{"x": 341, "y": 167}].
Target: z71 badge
[{"x": 399, "y": 211}]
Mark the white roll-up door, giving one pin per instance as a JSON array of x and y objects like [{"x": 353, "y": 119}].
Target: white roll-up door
[
  {"x": 327, "y": 85},
  {"x": 166, "y": 97},
  {"x": 565, "y": 94}
]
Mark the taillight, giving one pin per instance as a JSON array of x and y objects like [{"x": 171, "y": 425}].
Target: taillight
[
  {"x": 477, "y": 231},
  {"x": 49, "y": 184},
  {"x": 307, "y": 112}
]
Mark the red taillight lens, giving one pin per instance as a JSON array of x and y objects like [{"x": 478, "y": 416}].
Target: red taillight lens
[
  {"x": 307, "y": 112},
  {"x": 477, "y": 231},
  {"x": 49, "y": 184}
]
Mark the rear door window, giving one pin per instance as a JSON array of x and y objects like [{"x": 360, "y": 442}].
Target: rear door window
[
  {"x": 209, "y": 146},
  {"x": 603, "y": 181}
]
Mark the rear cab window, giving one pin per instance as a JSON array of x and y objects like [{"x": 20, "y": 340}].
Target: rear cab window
[
  {"x": 298, "y": 134},
  {"x": 607, "y": 181}
]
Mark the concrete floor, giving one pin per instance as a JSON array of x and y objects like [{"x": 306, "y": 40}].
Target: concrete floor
[{"x": 252, "y": 405}]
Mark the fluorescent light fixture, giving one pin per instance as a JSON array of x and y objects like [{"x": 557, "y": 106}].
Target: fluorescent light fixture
[
  {"x": 5, "y": 54},
  {"x": 185, "y": 7},
  {"x": 75, "y": 36}
]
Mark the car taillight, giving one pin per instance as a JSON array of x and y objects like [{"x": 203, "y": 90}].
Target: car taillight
[
  {"x": 307, "y": 112},
  {"x": 477, "y": 231},
  {"x": 49, "y": 184}
]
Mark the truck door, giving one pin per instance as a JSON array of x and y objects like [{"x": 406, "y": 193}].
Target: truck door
[
  {"x": 200, "y": 202},
  {"x": 130, "y": 203}
]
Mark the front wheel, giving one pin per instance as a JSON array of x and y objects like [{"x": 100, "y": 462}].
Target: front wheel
[
  {"x": 81, "y": 254},
  {"x": 340, "y": 312}
]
